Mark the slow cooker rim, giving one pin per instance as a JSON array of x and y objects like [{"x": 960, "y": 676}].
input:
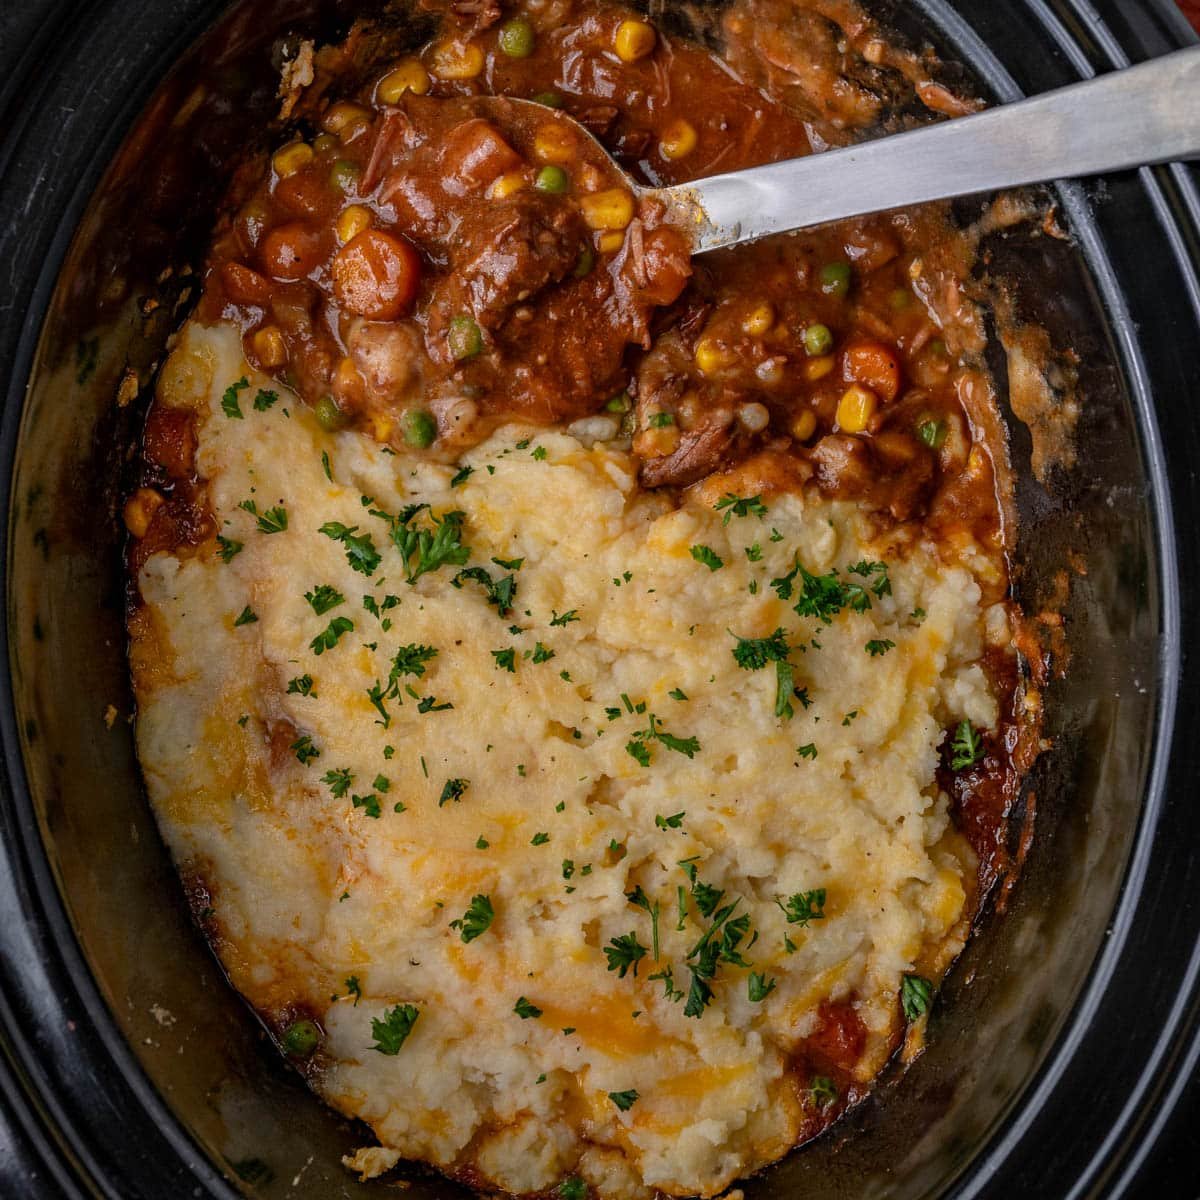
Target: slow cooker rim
[{"x": 31, "y": 865}]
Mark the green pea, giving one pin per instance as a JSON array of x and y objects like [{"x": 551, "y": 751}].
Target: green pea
[
  {"x": 620, "y": 403},
  {"x": 516, "y": 38},
  {"x": 551, "y": 179},
  {"x": 330, "y": 416},
  {"x": 419, "y": 428},
  {"x": 548, "y": 99},
  {"x": 932, "y": 432},
  {"x": 464, "y": 338},
  {"x": 835, "y": 279},
  {"x": 818, "y": 340},
  {"x": 587, "y": 260},
  {"x": 344, "y": 175},
  {"x": 301, "y": 1038}
]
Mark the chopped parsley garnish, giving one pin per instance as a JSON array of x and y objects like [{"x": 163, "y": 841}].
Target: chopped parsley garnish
[
  {"x": 882, "y": 585},
  {"x": 639, "y": 897},
  {"x": 339, "y": 780},
  {"x": 539, "y": 452},
  {"x": 304, "y": 750},
  {"x": 369, "y": 804},
  {"x": 500, "y": 592},
  {"x": 392, "y": 1032},
  {"x": 738, "y": 506},
  {"x": 323, "y": 598},
  {"x": 265, "y": 400},
  {"x": 426, "y": 549},
  {"x": 476, "y": 920},
  {"x": 541, "y": 653},
  {"x": 785, "y": 689},
  {"x": 624, "y": 952},
  {"x": 381, "y": 783},
  {"x": 674, "y": 821},
  {"x": 360, "y": 550},
  {"x": 325, "y": 467},
  {"x": 274, "y": 520},
  {"x": 677, "y": 694},
  {"x": 638, "y": 749},
  {"x": 227, "y": 548},
  {"x": 330, "y": 635},
  {"x": 539, "y": 839},
  {"x": 353, "y": 988},
  {"x": 377, "y": 608},
  {"x": 229, "y": 398},
  {"x": 802, "y": 907},
  {"x": 916, "y": 994},
  {"x": 573, "y": 1188},
  {"x": 754, "y": 553},
  {"x": 301, "y": 685},
  {"x": 461, "y": 476},
  {"x": 509, "y": 564},
  {"x": 411, "y": 660},
  {"x": 481, "y": 843},
  {"x": 708, "y": 556},
  {"x": 246, "y": 617},
  {"x": 667, "y": 977},
  {"x": 879, "y": 646},
  {"x": 822, "y": 1091},
  {"x": 525, "y": 1009},
  {"x": 751, "y": 654},
  {"x": 759, "y": 987},
  {"x": 661, "y": 420},
  {"x": 453, "y": 789},
  {"x": 624, "y": 1100},
  {"x": 807, "y": 751},
  {"x": 506, "y": 660},
  {"x": 966, "y": 749},
  {"x": 572, "y": 614}
]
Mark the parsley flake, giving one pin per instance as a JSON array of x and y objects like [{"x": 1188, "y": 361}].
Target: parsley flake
[
  {"x": 526, "y": 1009},
  {"x": 392, "y": 1032},
  {"x": 708, "y": 556},
  {"x": 477, "y": 919},
  {"x": 229, "y": 399}
]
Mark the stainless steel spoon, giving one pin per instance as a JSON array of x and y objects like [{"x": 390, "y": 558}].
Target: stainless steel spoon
[{"x": 1133, "y": 117}]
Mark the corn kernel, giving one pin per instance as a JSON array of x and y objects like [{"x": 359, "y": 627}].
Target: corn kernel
[
  {"x": 611, "y": 209},
  {"x": 346, "y": 379},
  {"x": 611, "y": 242},
  {"x": 804, "y": 426},
  {"x": 634, "y": 40},
  {"x": 554, "y": 142},
  {"x": 818, "y": 368},
  {"x": 140, "y": 509},
  {"x": 856, "y": 408},
  {"x": 506, "y": 184},
  {"x": 287, "y": 160},
  {"x": 409, "y": 76},
  {"x": 678, "y": 140},
  {"x": 352, "y": 220},
  {"x": 269, "y": 346},
  {"x": 759, "y": 320},
  {"x": 342, "y": 118},
  {"x": 456, "y": 60},
  {"x": 712, "y": 357},
  {"x": 323, "y": 143}
]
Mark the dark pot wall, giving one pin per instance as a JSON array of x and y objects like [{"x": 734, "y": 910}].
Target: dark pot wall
[{"x": 131, "y": 1070}]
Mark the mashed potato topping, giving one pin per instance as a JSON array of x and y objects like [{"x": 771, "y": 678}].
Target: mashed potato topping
[{"x": 565, "y": 823}]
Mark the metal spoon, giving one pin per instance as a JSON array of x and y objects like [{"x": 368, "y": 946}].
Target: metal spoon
[{"x": 1133, "y": 117}]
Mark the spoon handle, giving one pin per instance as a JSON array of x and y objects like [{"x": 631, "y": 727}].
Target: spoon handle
[{"x": 1141, "y": 115}]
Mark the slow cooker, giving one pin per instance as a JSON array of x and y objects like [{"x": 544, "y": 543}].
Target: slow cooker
[{"x": 1061, "y": 1062}]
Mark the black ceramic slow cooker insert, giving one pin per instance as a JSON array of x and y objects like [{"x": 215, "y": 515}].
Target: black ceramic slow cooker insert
[{"x": 1062, "y": 1048}]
